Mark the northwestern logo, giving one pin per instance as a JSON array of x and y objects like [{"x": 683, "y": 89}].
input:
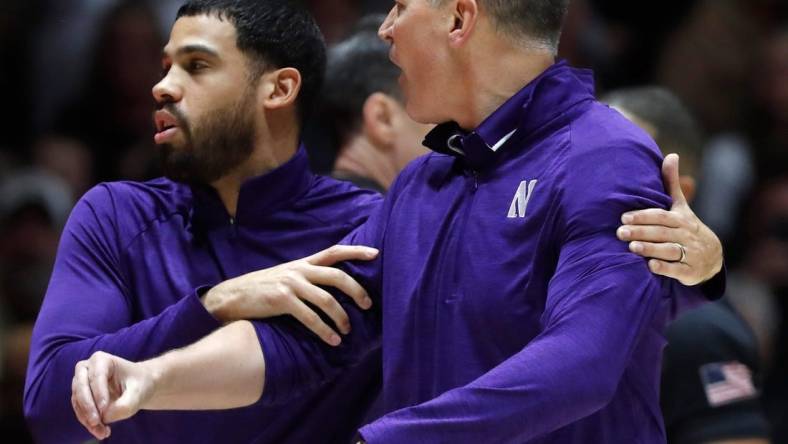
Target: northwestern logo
[{"x": 521, "y": 198}]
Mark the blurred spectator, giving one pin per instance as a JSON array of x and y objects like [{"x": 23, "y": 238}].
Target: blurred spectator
[
  {"x": 68, "y": 159},
  {"x": 709, "y": 62},
  {"x": 364, "y": 106},
  {"x": 771, "y": 132},
  {"x": 630, "y": 36},
  {"x": 114, "y": 116},
  {"x": 33, "y": 208},
  {"x": 711, "y": 368},
  {"x": 767, "y": 260},
  {"x": 336, "y": 17},
  {"x": 63, "y": 45}
]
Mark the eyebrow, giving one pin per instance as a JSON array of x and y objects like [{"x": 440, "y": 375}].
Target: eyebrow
[{"x": 191, "y": 49}]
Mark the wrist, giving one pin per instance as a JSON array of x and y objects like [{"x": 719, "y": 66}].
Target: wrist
[
  {"x": 215, "y": 302},
  {"x": 154, "y": 374}
]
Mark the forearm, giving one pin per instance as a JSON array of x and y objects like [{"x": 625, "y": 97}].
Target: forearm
[
  {"x": 221, "y": 371},
  {"x": 60, "y": 340}
]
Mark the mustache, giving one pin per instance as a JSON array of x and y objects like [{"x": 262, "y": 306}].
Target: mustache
[{"x": 170, "y": 107}]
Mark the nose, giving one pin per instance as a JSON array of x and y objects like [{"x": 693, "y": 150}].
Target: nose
[
  {"x": 385, "y": 29},
  {"x": 167, "y": 91}
]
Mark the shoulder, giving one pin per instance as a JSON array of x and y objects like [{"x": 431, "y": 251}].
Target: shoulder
[
  {"x": 336, "y": 201},
  {"x": 606, "y": 165},
  {"x": 602, "y": 134},
  {"x": 130, "y": 207}
]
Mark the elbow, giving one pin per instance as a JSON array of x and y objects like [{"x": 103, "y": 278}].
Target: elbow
[
  {"x": 30, "y": 407},
  {"x": 600, "y": 393},
  {"x": 595, "y": 389},
  {"x": 36, "y": 417},
  {"x": 600, "y": 386}
]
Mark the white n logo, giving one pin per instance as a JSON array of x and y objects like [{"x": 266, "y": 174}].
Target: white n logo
[{"x": 521, "y": 198}]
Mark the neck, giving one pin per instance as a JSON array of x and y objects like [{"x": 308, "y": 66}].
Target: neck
[
  {"x": 361, "y": 158},
  {"x": 269, "y": 153},
  {"x": 485, "y": 89}
]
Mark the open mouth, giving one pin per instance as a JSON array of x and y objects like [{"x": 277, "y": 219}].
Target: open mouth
[{"x": 166, "y": 126}]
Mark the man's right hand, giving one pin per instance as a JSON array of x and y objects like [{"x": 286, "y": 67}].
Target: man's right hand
[{"x": 284, "y": 289}]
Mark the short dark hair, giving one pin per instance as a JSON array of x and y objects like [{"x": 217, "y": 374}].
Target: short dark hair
[
  {"x": 358, "y": 67},
  {"x": 539, "y": 21},
  {"x": 676, "y": 128},
  {"x": 273, "y": 33}
]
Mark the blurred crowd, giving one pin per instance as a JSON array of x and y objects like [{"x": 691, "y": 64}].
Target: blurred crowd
[{"x": 77, "y": 76}]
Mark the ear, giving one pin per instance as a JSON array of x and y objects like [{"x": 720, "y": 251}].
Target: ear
[
  {"x": 466, "y": 15},
  {"x": 280, "y": 88},
  {"x": 378, "y": 119},
  {"x": 688, "y": 187}
]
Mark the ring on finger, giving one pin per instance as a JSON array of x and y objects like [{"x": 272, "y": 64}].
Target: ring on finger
[{"x": 683, "y": 258}]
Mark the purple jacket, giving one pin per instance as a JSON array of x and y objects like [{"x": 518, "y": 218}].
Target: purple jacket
[
  {"x": 511, "y": 313},
  {"x": 131, "y": 260}
]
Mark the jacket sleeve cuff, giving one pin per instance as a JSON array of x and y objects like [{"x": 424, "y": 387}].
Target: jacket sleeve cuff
[
  {"x": 714, "y": 288},
  {"x": 192, "y": 321},
  {"x": 275, "y": 381}
]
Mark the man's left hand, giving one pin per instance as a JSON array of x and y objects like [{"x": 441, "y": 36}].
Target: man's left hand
[{"x": 678, "y": 244}]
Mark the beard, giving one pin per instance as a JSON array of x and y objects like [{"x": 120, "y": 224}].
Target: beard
[{"x": 220, "y": 141}]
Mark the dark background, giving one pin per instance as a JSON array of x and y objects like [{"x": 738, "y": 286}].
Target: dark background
[{"x": 76, "y": 75}]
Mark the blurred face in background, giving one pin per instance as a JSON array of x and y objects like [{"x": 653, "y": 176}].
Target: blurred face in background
[
  {"x": 774, "y": 85},
  {"x": 28, "y": 244},
  {"x": 128, "y": 52},
  {"x": 417, "y": 33},
  {"x": 769, "y": 249},
  {"x": 205, "y": 125}
]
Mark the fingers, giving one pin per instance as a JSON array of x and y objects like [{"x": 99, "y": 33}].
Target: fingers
[
  {"x": 339, "y": 253},
  {"x": 670, "y": 252},
  {"x": 312, "y": 321},
  {"x": 653, "y": 216},
  {"x": 676, "y": 270},
  {"x": 325, "y": 302},
  {"x": 83, "y": 402},
  {"x": 99, "y": 374},
  {"x": 80, "y": 389},
  {"x": 99, "y": 432},
  {"x": 670, "y": 174},
  {"x": 342, "y": 281},
  {"x": 126, "y": 406},
  {"x": 649, "y": 233}
]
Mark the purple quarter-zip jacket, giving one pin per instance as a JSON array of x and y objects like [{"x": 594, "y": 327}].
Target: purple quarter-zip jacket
[
  {"x": 511, "y": 313},
  {"x": 131, "y": 260}
]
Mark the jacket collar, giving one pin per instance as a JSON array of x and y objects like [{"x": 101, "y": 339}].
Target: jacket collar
[
  {"x": 549, "y": 95},
  {"x": 259, "y": 197}
]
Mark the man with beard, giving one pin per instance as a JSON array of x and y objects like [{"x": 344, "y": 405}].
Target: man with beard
[
  {"x": 136, "y": 260},
  {"x": 511, "y": 310}
]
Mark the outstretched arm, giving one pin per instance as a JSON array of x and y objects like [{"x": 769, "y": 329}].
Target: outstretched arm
[{"x": 225, "y": 369}]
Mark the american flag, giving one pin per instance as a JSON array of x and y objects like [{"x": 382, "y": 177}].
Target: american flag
[{"x": 727, "y": 382}]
